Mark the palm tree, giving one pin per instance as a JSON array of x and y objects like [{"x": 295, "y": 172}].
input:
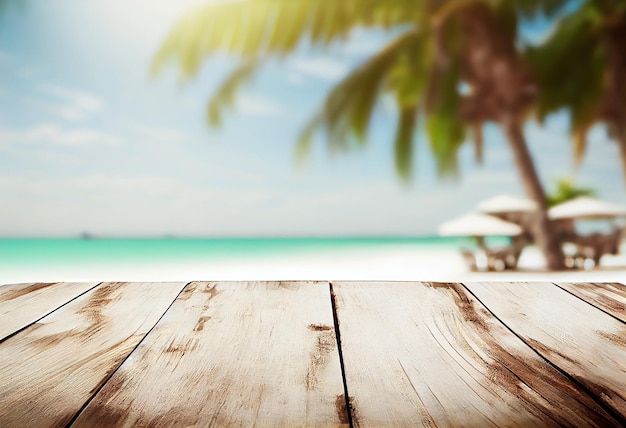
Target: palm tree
[
  {"x": 566, "y": 191},
  {"x": 582, "y": 68},
  {"x": 442, "y": 46}
]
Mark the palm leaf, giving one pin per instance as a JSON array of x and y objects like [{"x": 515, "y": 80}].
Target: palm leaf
[
  {"x": 444, "y": 128},
  {"x": 305, "y": 140},
  {"x": 225, "y": 95},
  {"x": 569, "y": 67},
  {"x": 262, "y": 28},
  {"x": 349, "y": 106},
  {"x": 407, "y": 68},
  {"x": 403, "y": 146},
  {"x": 566, "y": 191}
]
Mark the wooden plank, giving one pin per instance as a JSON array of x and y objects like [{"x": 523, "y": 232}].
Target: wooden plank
[
  {"x": 430, "y": 355},
  {"x": 23, "y": 304},
  {"x": 609, "y": 297},
  {"x": 50, "y": 369},
  {"x": 575, "y": 336},
  {"x": 231, "y": 354}
]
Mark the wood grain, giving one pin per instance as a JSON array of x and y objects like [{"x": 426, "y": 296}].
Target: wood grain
[
  {"x": 431, "y": 355},
  {"x": 50, "y": 369},
  {"x": 231, "y": 354},
  {"x": 609, "y": 297},
  {"x": 23, "y": 304},
  {"x": 575, "y": 336}
]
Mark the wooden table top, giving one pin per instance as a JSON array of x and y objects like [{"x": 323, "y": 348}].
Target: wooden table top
[{"x": 365, "y": 354}]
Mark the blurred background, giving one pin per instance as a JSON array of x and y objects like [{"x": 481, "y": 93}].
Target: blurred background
[
  {"x": 190, "y": 119},
  {"x": 92, "y": 142}
]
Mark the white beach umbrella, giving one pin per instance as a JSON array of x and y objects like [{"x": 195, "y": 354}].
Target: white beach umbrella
[
  {"x": 506, "y": 204},
  {"x": 479, "y": 225},
  {"x": 586, "y": 208}
]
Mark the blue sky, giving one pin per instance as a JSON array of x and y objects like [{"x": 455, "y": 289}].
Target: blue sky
[{"x": 90, "y": 142}]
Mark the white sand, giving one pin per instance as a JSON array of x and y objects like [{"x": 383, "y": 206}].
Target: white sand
[{"x": 366, "y": 264}]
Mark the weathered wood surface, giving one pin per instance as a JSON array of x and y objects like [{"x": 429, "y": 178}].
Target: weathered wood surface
[
  {"x": 265, "y": 353},
  {"x": 231, "y": 354},
  {"x": 430, "y": 354},
  {"x": 49, "y": 370},
  {"x": 23, "y": 304},
  {"x": 609, "y": 297},
  {"x": 588, "y": 344}
]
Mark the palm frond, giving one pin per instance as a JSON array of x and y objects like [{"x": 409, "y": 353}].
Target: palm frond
[
  {"x": 565, "y": 191},
  {"x": 262, "y": 28},
  {"x": 444, "y": 127},
  {"x": 305, "y": 139},
  {"x": 403, "y": 146},
  {"x": 225, "y": 96},
  {"x": 569, "y": 67},
  {"x": 349, "y": 106}
]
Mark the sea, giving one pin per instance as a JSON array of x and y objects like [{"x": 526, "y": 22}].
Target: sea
[
  {"x": 89, "y": 259},
  {"x": 242, "y": 259},
  {"x": 34, "y": 251}
]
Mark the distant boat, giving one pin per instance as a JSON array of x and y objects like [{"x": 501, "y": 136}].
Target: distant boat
[{"x": 86, "y": 236}]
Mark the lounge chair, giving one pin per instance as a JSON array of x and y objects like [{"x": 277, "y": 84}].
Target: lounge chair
[
  {"x": 506, "y": 258},
  {"x": 593, "y": 247},
  {"x": 470, "y": 260}
]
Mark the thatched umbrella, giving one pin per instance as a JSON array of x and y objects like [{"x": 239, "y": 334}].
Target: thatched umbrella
[
  {"x": 479, "y": 225},
  {"x": 586, "y": 208},
  {"x": 503, "y": 204}
]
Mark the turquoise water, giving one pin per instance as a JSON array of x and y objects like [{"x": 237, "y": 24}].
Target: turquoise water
[{"x": 40, "y": 252}]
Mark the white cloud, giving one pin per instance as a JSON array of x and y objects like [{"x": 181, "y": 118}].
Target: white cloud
[
  {"x": 79, "y": 104},
  {"x": 70, "y": 112},
  {"x": 38, "y": 133},
  {"x": 324, "y": 68},
  {"x": 253, "y": 106},
  {"x": 52, "y": 133},
  {"x": 48, "y": 156},
  {"x": 157, "y": 133},
  {"x": 105, "y": 183},
  {"x": 85, "y": 137}
]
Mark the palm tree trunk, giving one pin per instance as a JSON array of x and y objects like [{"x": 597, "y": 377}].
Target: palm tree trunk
[
  {"x": 615, "y": 87},
  {"x": 544, "y": 236},
  {"x": 622, "y": 154}
]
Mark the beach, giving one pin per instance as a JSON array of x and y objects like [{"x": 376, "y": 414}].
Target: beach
[{"x": 248, "y": 260}]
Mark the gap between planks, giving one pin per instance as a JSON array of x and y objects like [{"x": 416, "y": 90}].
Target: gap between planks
[
  {"x": 97, "y": 390},
  {"x": 337, "y": 329},
  {"x": 609, "y": 409},
  {"x": 601, "y": 305},
  {"x": 8, "y": 336},
  {"x": 245, "y": 306},
  {"x": 71, "y": 351},
  {"x": 453, "y": 346},
  {"x": 346, "y": 394}
]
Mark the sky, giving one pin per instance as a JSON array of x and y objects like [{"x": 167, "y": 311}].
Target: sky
[{"x": 91, "y": 142}]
